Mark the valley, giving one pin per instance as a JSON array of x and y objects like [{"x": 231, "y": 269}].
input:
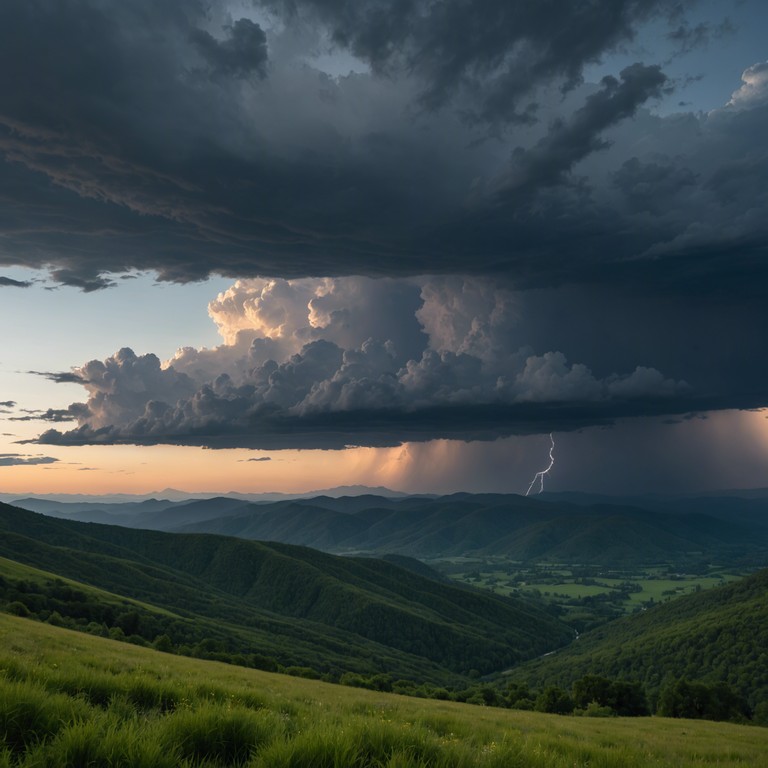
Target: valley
[
  {"x": 586, "y": 596},
  {"x": 465, "y": 625}
]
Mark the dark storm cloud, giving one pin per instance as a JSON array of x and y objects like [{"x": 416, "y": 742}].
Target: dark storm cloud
[
  {"x": 552, "y": 158},
  {"x": 175, "y": 138},
  {"x": 86, "y": 282},
  {"x": 326, "y": 396},
  {"x": 51, "y": 414},
  {"x": 8, "y": 404},
  {"x": 327, "y": 363},
  {"x": 179, "y": 139},
  {"x": 498, "y": 49},
  {"x": 651, "y": 186},
  {"x": 389, "y": 427},
  {"x": 688, "y": 37},
  {"x": 60, "y": 377},
  {"x": 10, "y": 282},
  {"x": 242, "y": 53}
]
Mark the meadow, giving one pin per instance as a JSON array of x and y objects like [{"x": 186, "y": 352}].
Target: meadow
[
  {"x": 587, "y": 595},
  {"x": 69, "y": 699}
]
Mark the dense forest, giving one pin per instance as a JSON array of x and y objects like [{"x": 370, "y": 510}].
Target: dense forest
[
  {"x": 718, "y": 636},
  {"x": 294, "y": 606}
]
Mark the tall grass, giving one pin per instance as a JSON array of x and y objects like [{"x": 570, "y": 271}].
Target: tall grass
[
  {"x": 30, "y": 715},
  {"x": 103, "y": 743},
  {"x": 220, "y": 734},
  {"x": 71, "y": 701}
]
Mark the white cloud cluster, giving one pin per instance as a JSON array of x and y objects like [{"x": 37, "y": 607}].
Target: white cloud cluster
[
  {"x": 299, "y": 352},
  {"x": 754, "y": 89}
]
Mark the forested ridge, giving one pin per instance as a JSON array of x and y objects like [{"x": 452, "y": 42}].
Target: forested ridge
[
  {"x": 719, "y": 635},
  {"x": 296, "y": 606}
]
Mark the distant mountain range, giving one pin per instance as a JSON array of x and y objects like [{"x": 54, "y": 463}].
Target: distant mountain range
[
  {"x": 172, "y": 494},
  {"x": 581, "y": 529}
]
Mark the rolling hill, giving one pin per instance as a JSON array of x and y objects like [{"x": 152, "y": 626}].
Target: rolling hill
[
  {"x": 69, "y": 699},
  {"x": 720, "y": 635},
  {"x": 487, "y": 525},
  {"x": 583, "y": 529},
  {"x": 293, "y": 604}
]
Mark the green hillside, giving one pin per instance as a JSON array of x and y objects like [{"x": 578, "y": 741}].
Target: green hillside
[
  {"x": 69, "y": 700},
  {"x": 720, "y": 635},
  {"x": 296, "y": 606}
]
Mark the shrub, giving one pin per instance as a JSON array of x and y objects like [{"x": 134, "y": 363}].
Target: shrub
[{"x": 17, "y": 608}]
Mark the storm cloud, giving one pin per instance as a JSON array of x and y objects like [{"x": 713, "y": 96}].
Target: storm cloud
[
  {"x": 329, "y": 363},
  {"x": 190, "y": 139},
  {"x": 442, "y": 223}
]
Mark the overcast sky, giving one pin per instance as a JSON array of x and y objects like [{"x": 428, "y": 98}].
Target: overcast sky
[{"x": 287, "y": 245}]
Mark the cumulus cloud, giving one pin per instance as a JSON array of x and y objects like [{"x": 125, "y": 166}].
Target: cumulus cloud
[
  {"x": 466, "y": 315},
  {"x": 261, "y": 320},
  {"x": 754, "y": 89},
  {"x": 317, "y": 363}
]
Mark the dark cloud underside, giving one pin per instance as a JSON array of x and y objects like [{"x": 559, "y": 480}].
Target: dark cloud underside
[{"x": 172, "y": 137}]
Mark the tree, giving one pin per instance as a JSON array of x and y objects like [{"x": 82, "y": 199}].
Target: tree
[
  {"x": 592, "y": 688},
  {"x": 625, "y": 698},
  {"x": 554, "y": 700},
  {"x": 683, "y": 698},
  {"x": 163, "y": 643}
]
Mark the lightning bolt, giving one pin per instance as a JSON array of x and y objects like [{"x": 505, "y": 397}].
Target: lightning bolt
[{"x": 540, "y": 475}]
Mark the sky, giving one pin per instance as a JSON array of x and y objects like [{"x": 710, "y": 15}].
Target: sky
[{"x": 282, "y": 245}]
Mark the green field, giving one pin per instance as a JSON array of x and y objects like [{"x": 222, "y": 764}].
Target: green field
[
  {"x": 585, "y": 595},
  {"x": 68, "y": 699}
]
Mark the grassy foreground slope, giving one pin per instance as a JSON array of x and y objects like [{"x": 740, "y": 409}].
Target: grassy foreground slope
[
  {"x": 298, "y": 605},
  {"x": 67, "y": 699},
  {"x": 720, "y": 635}
]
